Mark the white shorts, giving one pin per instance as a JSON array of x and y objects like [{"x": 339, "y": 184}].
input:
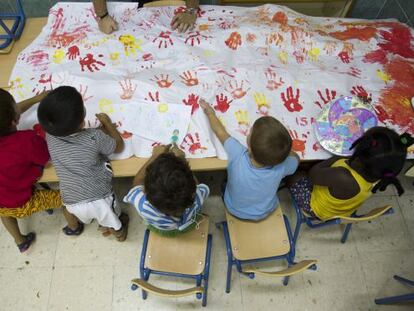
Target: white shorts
[{"x": 106, "y": 211}]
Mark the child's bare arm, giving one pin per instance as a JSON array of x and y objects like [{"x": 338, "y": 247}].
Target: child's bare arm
[
  {"x": 215, "y": 123},
  {"x": 27, "y": 103},
  {"x": 324, "y": 175},
  {"x": 140, "y": 176},
  {"x": 109, "y": 128}
]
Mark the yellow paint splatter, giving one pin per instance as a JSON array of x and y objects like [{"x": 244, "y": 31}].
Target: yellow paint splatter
[
  {"x": 242, "y": 116},
  {"x": 58, "y": 56},
  {"x": 209, "y": 53},
  {"x": 283, "y": 57},
  {"x": 314, "y": 54},
  {"x": 130, "y": 44},
  {"x": 162, "y": 108},
  {"x": 383, "y": 76},
  {"x": 105, "y": 106}
]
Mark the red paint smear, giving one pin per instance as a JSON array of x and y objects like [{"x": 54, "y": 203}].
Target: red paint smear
[
  {"x": 280, "y": 18},
  {"x": 397, "y": 41},
  {"x": 378, "y": 56},
  {"x": 394, "y": 103},
  {"x": 363, "y": 34}
]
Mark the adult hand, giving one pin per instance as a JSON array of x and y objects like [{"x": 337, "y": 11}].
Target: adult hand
[
  {"x": 107, "y": 24},
  {"x": 183, "y": 21},
  {"x": 160, "y": 150}
]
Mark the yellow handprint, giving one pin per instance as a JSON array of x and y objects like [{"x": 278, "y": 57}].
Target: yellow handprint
[
  {"x": 242, "y": 118},
  {"x": 130, "y": 45},
  {"x": 383, "y": 76},
  {"x": 58, "y": 56},
  {"x": 105, "y": 106},
  {"x": 283, "y": 57},
  {"x": 262, "y": 103},
  {"x": 18, "y": 89},
  {"x": 314, "y": 54},
  {"x": 114, "y": 57}
]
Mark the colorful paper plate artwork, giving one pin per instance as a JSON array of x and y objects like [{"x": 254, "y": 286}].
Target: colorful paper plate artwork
[{"x": 342, "y": 122}]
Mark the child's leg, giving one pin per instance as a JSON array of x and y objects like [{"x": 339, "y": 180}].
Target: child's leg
[
  {"x": 73, "y": 222},
  {"x": 11, "y": 225},
  {"x": 122, "y": 233}
]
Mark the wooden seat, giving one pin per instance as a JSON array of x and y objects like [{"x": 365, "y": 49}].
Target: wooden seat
[
  {"x": 165, "y": 292},
  {"x": 262, "y": 239},
  {"x": 374, "y": 213},
  {"x": 184, "y": 254},
  {"x": 164, "y": 3}
]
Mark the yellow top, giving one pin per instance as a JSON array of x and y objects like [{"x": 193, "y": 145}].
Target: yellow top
[{"x": 325, "y": 206}]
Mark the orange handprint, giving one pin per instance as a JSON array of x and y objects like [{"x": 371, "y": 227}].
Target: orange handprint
[
  {"x": 163, "y": 81},
  {"x": 236, "y": 90},
  {"x": 127, "y": 88},
  {"x": 188, "y": 79},
  {"x": 298, "y": 145},
  {"x": 275, "y": 38},
  {"x": 234, "y": 41}
]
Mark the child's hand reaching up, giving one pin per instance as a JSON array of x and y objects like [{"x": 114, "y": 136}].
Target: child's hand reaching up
[
  {"x": 104, "y": 119},
  {"x": 206, "y": 107}
]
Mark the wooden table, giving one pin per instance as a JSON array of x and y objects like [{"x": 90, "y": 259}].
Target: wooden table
[{"x": 121, "y": 168}]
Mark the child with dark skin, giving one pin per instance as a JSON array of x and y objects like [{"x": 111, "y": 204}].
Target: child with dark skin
[
  {"x": 23, "y": 155},
  {"x": 338, "y": 186}
]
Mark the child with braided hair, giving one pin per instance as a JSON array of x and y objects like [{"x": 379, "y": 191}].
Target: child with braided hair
[{"x": 338, "y": 186}]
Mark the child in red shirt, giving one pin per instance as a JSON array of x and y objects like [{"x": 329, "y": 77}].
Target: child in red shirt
[{"x": 23, "y": 154}]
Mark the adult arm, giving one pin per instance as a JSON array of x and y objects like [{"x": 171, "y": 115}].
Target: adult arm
[
  {"x": 185, "y": 20},
  {"x": 106, "y": 22}
]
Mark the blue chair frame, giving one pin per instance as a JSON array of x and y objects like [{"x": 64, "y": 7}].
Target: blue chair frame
[
  {"x": 231, "y": 261},
  {"x": 16, "y": 29},
  {"x": 313, "y": 223},
  {"x": 199, "y": 278},
  {"x": 400, "y": 298}
]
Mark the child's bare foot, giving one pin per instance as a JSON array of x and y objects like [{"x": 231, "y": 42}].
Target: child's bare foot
[{"x": 121, "y": 234}]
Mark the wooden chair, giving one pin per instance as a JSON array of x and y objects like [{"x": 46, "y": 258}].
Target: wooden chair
[
  {"x": 312, "y": 222},
  {"x": 186, "y": 255},
  {"x": 164, "y": 3},
  {"x": 269, "y": 239}
]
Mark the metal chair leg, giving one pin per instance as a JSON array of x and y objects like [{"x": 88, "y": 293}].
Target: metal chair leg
[
  {"x": 394, "y": 299},
  {"x": 346, "y": 233},
  {"x": 207, "y": 270},
  {"x": 403, "y": 280}
]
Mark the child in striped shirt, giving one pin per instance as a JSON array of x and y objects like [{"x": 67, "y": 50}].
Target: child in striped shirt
[{"x": 165, "y": 192}]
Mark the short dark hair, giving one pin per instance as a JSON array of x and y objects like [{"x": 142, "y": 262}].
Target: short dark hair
[
  {"x": 7, "y": 112},
  {"x": 270, "y": 141},
  {"x": 61, "y": 112},
  {"x": 382, "y": 155},
  {"x": 170, "y": 185}
]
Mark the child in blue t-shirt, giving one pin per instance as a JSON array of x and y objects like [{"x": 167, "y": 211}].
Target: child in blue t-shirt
[
  {"x": 254, "y": 173},
  {"x": 165, "y": 192}
]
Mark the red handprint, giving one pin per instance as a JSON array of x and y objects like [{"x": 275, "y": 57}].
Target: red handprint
[
  {"x": 44, "y": 83},
  {"x": 316, "y": 146},
  {"x": 73, "y": 52},
  {"x": 222, "y": 103},
  {"x": 300, "y": 55},
  {"x": 188, "y": 79},
  {"x": 182, "y": 9},
  {"x": 153, "y": 97},
  {"x": 192, "y": 101},
  {"x": 155, "y": 144},
  {"x": 227, "y": 24},
  {"x": 83, "y": 92},
  {"x": 164, "y": 38},
  {"x": 291, "y": 102},
  {"x": 344, "y": 56},
  {"x": 147, "y": 57},
  {"x": 298, "y": 145},
  {"x": 127, "y": 88},
  {"x": 195, "y": 37},
  {"x": 330, "y": 95},
  {"x": 360, "y": 92},
  {"x": 250, "y": 37},
  {"x": 39, "y": 131},
  {"x": 90, "y": 63},
  {"x": 126, "y": 135},
  {"x": 272, "y": 84},
  {"x": 163, "y": 81},
  {"x": 355, "y": 72},
  {"x": 192, "y": 145},
  {"x": 236, "y": 91},
  {"x": 234, "y": 41}
]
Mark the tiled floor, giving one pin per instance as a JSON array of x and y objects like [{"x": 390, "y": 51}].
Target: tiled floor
[{"x": 91, "y": 272}]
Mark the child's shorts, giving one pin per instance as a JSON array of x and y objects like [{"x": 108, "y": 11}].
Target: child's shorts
[
  {"x": 106, "y": 211},
  {"x": 301, "y": 192},
  {"x": 41, "y": 200}
]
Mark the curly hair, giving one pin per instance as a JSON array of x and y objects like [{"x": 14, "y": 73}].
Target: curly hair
[
  {"x": 170, "y": 185},
  {"x": 7, "y": 112}
]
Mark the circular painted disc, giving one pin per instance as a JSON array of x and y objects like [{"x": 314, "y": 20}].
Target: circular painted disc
[{"x": 343, "y": 121}]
